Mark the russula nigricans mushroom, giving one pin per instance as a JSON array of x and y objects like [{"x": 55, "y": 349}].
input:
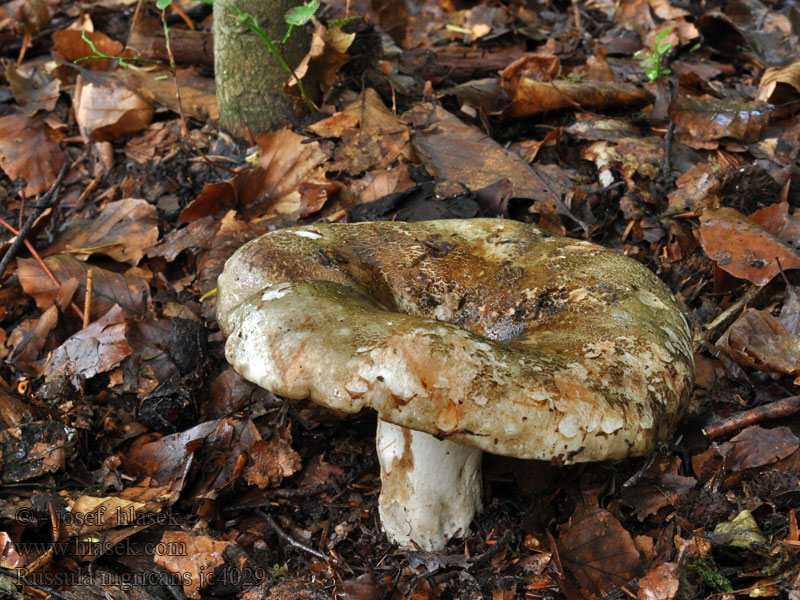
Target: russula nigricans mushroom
[{"x": 464, "y": 336}]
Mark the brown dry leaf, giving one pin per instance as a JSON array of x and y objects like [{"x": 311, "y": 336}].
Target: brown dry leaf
[
  {"x": 269, "y": 461},
  {"x": 658, "y": 486},
  {"x": 157, "y": 139},
  {"x": 452, "y": 150},
  {"x": 372, "y": 136},
  {"x": 776, "y": 219},
  {"x": 27, "y": 349},
  {"x": 597, "y": 550},
  {"x": 326, "y": 55},
  {"x": 110, "y": 288},
  {"x": 32, "y": 87},
  {"x": 198, "y": 98},
  {"x": 95, "y": 349},
  {"x": 29, "y": 149},
  {"x": 380, "y": 183},
  {"x": 197, "y": 234},
  {"x": 758, "y": 339},
  {"x": 756, "y": 447},
  {"x": 743, "y": 248},
  {"x": 532, "y": 93},
  {"x": 164, "y": 351},
  {"x": 362, "y": 587},
  {"x": 701, "y": 123},
  {"x": 122, "y": 231},
  {"x": 97, "y": 514},
  {"x": 34, "y": 449},
  {"x": 194, "y": 568},
  {"x": 106, "y": 109},
  {"x": 271, "y": 190},
  {"x": 69, "y": 45},
  {"x": 780, "y": 84},
  {"x": 235, "y": 449},
  {"x": 660, "y": 583},
  {"x": 167, "y": 459},
  {"x": 229, "y": 392},
  {"x": 700, "y": 181}
]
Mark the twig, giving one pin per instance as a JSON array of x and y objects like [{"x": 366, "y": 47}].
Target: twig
[
  {"x": 666, "y": 169},
  {"x": 173, "y": 70},
  {"x": 42, "y": 264},
  {"x": 43, "y": 203},
  {"x": 87, "y": 299},
  {"x": 290, "y": 540},
  {"x": 774, "y": 410}
]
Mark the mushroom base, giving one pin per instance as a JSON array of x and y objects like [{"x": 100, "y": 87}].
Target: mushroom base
[{"x": 430, "y": 490}]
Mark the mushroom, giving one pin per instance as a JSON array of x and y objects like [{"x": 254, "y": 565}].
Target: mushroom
[{"x": 464, "y": 336}]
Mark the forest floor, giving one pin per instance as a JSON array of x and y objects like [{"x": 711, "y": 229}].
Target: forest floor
[{"x": 136, "y": 464}]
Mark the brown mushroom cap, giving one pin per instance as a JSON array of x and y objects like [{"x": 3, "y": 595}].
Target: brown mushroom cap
[{"x": 490, "y": 333}]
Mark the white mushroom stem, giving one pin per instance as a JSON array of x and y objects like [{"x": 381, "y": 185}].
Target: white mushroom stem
[{"x": 430, "y": 488}]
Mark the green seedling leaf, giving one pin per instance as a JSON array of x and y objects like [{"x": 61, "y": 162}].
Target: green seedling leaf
[
  {"x": 163, "y": 4},
  {"x": 660, "y": 37},
  {"x": 664, "y": 47},
  {"x": 300, "y": 15}
]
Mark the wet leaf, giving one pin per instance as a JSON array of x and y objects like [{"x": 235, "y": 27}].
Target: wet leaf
[
  {"x": 533, "y": 91},
  {"x": 742, "y": 248},
  {"x": 709, "y": 120}
]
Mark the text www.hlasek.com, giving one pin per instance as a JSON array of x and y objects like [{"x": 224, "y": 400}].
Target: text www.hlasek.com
[{"x": 100, "y": 547}]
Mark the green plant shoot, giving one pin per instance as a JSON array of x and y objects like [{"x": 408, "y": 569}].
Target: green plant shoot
[{"x": 653, "y": 60}]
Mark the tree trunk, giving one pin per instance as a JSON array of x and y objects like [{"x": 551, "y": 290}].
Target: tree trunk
[{"x": 248, "y": 78}]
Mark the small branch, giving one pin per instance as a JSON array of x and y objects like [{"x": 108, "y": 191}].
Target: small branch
[
  {"x": 290, "y": 540},
  {"x": 87, "y": 299},
  {"x": 774, "y": 410},
  {"x": 44, "y": 202}
]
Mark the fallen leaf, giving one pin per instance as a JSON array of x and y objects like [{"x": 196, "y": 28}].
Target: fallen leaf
[
  {"x": 597, "y": 550},
  {"x": 122, "y": 231},
  {"x": 69, "y": 45},
  {"x": 742, "y": 248},
  {"x": 660, "y": 583},
  {"x": 779, "y": 85},
  {"x": 535, "y": 90},
  {"x": 105, "y": 109},
  {"x": 95, "y": 349},
  {"x": 109, "y": 288},
  {"x": 700, "y": 121},
  {"x": 452, "y": 150},
  {"x": 372, "y": 136},
  {"x": 758, "y": 339},
  {"x": 757, "y": 446},
  {"x": 29, "y": 149}
]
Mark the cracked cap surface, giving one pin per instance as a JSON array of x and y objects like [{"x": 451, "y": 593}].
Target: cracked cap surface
[{"x": 490, "y": 333}]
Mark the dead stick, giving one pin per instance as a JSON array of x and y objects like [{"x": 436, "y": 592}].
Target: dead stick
[
  {"x": 43, "y": 203},
  {"x": 87, "y": 299},
  {"x": 774, "y": 410},
  {"x": 290, "y": 540}
]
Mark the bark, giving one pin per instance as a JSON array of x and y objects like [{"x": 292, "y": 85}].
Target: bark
[{"x": 248, "y": 78}]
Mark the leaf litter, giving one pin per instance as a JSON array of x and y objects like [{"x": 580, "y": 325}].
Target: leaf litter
[{"x": 144, "y": 453}]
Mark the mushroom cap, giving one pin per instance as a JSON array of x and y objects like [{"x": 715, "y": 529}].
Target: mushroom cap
[{"x": 490, "y": 333}]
